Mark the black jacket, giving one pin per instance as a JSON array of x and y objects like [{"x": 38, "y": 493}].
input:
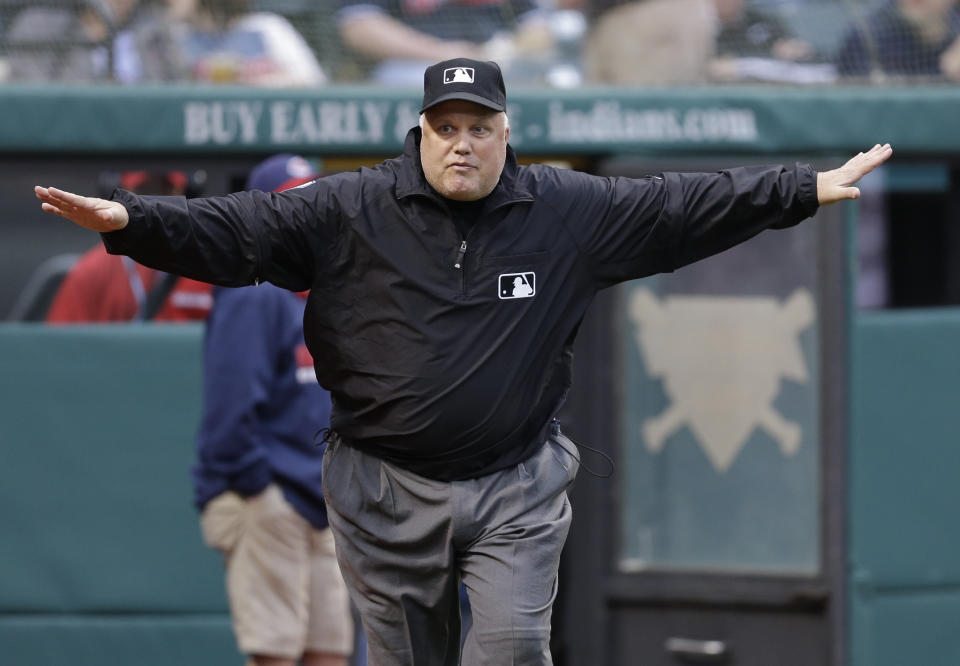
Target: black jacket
[{"x": 445, "y": 355}]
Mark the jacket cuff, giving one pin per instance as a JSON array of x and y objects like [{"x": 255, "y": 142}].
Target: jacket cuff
[
  {"x": 252, "y": 480},
  {"x": 807, "y": 189},
  {"x": 126, "y": 239}
]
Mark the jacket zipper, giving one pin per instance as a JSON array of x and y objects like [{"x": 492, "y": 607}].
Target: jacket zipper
[{"x": 459, "y": 266}]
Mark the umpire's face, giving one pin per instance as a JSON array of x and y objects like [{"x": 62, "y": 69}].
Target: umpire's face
[{"x": 463, "y": 149}]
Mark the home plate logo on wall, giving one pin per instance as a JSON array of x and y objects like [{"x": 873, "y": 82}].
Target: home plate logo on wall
[{"x": 721, "y": 360}]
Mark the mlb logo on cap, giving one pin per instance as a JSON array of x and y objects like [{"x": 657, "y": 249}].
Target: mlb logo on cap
[{"x": 458, "y": 75}]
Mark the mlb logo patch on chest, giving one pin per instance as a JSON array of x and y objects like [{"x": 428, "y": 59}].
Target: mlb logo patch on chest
[{"x": 517, "y": 285}]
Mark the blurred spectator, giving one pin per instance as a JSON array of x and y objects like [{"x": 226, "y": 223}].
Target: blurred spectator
[
  {"x": 755, "y": 44},
  {"x": 904, "y": 38},
  {"x": 257, "y": 480},
  {"x": 657, "y": 42},
  {"x": 744, "y": 31},
  {"x": 82, "y": 41},
  {"x": 405, "y": 36},
  {"x": 221, "y": 41},
  {"x": 652, "y": 42},
  {"x": 103, "y": 287}
]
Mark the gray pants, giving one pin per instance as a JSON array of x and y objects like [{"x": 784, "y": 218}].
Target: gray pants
[{"x": 405, "y": 542}]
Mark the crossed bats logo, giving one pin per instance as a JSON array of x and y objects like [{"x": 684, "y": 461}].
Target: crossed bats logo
[{"x": 721, "y": 360}]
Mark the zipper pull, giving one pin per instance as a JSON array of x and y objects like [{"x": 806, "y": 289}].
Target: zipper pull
[{"x": 460, "y": 253}]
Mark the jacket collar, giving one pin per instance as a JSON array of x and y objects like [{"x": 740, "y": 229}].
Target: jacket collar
[{"x": 412, "y": 182}]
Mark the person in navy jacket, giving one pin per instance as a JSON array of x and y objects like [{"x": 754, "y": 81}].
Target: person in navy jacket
[{"x": 257, "y": 478}]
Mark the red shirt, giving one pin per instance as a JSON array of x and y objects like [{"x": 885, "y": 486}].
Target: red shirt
[{"x": 103, "y": 287}]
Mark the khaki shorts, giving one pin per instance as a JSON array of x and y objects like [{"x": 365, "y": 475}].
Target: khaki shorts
[{"x": 286, "y": 593}]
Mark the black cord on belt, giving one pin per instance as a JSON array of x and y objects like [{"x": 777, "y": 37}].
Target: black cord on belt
[{"x": 555, "y": 426}]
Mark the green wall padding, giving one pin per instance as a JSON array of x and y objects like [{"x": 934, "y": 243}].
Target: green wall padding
[
  {"x": 96, "y": 442},
  {"x": 904, "y": 494},
  {"x": 118, "y": 641}
]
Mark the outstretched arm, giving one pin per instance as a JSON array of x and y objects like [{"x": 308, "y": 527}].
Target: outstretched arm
[
  {"x": 836, "y": 185},
  {"x": 89, "y": 212},
  {"x": 233, "y": 240}
]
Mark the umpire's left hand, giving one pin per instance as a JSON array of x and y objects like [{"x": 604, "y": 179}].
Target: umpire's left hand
[{"x": 835, "y": 185}]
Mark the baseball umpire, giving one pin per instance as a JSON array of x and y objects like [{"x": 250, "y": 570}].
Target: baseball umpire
[{"x": 446, "y": 289}]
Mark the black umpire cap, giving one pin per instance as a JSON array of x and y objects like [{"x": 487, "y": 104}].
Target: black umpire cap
[{"x": 475, "y": 81}]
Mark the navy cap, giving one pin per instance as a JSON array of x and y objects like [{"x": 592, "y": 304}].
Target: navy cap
[
  {"x": 475, "y": 81},
  {"x": 281, "y": 172}
]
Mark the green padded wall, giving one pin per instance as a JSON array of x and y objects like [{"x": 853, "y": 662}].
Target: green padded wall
[
  {"x": 904, "y": 494},
  {"x": 101, "y": 560},
  {"x": 118, "y": 640}
]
